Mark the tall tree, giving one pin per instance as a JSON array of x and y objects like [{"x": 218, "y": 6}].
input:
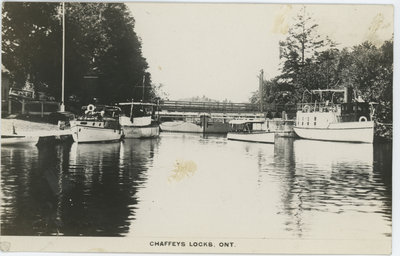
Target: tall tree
[
  {"x": 103, "y": 52},
  {"x": 31, "y": 43},
  {"x": 302, "y": 38},
  {"x": 299, "y": 51},
  {"x": 370, "y": 74},
  {"x": 122, "y": 67}
]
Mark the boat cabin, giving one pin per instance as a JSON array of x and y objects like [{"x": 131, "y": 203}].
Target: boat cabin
[
  {"x": 138, "y": 109},
  {"x": 100, "y": 116},
  {"x": 248, "y": 126},
  {"x": 352, "y": 112},
  {"x": 325, "y": 111},
  {"x": 100, "y": 112}
]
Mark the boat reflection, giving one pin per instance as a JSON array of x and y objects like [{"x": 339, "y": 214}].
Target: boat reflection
[
  {"x": 106, "y": 178},
  {"x": 330, "y": 178},
  {"x": 322, "y": 154},
  {"x": 78, "y": 189}
]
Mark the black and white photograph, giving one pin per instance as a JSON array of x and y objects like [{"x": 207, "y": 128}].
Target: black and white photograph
[{"x": 184, "y": 127}]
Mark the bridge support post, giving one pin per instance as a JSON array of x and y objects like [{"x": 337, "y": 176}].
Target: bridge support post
[
  {"x": 23, "y": 107},
  {"x": 9, "y": 106},
  {"x": 41, "y": 109}
]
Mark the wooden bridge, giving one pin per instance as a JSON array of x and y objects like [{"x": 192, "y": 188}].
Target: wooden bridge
[
  {"x": 207, "y": 107},
  {"x": 175, "y": 109}
]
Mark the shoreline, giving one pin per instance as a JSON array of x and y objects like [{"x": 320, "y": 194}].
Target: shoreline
[{"x": 25, "y": 127}]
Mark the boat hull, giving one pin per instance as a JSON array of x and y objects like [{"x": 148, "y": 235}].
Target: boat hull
[
  {"x": 181, "y": 126},
  {"x": 266, "y": 137},
  {"x": 87, "y": 134},
  {"x": 358, "y": 132},
  {"x": 141, "y": 132}
]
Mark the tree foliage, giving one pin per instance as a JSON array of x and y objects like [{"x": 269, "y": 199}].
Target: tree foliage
[
  {"x": 103, "y": 56},
  {"x": 31, "y": 43},
  {"x": 303, "y": 41},
  {"x": 299, "y": 51},
  {"x": 308, "y": 62}
]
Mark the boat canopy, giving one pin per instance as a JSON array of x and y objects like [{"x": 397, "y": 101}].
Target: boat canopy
[
  {"x": 136, "y": 104},
  {"x": 327, "y": 90},
  {"x": 245, "y": 121},
  {"x": 99, "y": 108}
]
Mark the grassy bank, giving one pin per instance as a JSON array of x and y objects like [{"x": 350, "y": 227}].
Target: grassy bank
[{"x": 25, "y": 126}]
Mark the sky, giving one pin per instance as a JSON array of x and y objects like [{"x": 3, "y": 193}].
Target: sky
[{"x": 218, "y": 50}]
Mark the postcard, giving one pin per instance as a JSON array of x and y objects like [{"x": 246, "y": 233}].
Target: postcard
[{"x": 161, "y": 127}]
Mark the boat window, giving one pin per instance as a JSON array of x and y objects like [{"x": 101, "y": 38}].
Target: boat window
[
  {"x": 308, "y": 120},
  {"x": 315, "y": 120},
  {"x": 83, "y": 122},
  {"x": 99, "y": 124},
  {"x": 94, "y": 124}
]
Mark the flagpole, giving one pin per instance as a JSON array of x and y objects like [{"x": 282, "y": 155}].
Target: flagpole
[{"x": 62, "y": 107}]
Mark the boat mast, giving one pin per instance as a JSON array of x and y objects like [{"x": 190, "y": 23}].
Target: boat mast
[
  {"x": 62, "y": 106},
  {"x": 261, "y": 83},
  {"x": 144, "y": 77}
]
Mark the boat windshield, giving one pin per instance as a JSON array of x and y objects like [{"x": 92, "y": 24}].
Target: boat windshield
[
  {"x": 100, "y": 112},
  {"x": 138, "y": 109}
]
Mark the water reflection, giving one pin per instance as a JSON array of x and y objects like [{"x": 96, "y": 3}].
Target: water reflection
[
  {"x": 331, "y": 172},
  {"x": 382, "y": 174},
  {"x": 293, "y": 189},
  {"x": 332, "y": 179},
  {"x": 85, "y": 189}
]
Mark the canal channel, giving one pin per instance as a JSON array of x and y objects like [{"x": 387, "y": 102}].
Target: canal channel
[{"x": 173, "y": 185}]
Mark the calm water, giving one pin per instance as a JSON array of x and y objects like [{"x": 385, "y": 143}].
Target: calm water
[{"x": 198, "y": 186}]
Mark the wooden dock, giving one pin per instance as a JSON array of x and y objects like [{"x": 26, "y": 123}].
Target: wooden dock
[{"x": 56, "y": 138}]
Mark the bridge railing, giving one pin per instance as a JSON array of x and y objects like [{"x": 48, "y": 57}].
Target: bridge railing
[
  {"x": 219, "y": 107},
  {"x": 183, "y": 106}
]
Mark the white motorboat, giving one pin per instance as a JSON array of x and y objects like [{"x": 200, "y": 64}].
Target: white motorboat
[
  {"x": 250, "y": 131},
  {"x": 98, "y": 124},
  {"x": 137, "y": 122},
  {"x": 329, "y": 121}
]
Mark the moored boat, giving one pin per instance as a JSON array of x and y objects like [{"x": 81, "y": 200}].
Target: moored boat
[
  {"x": 335, "y": 121},
  {"x": 137, "y": 121},
  {"x": 250, "y": 131},
  {"x": 98, "y": 124},
  {"x": 200, "y": 123}
]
